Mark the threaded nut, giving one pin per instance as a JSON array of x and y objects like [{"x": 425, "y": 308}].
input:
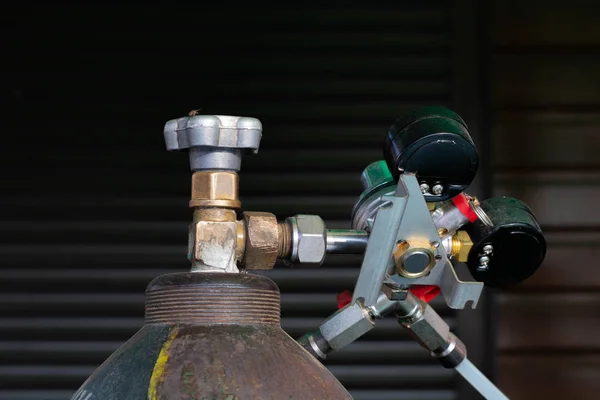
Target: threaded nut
[
  {"x": 262, "y": 240},
  {"x": 215, "y": 189}
]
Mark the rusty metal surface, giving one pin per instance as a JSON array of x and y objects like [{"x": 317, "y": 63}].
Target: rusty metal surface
[
  {"x": 226, "y": 342},
  {"x": 242, "y": 362},
  {"x": 213, "y": 298},
  {"x": 262, "y": 240}
]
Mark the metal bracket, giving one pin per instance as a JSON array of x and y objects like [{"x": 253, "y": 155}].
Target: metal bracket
[{"x": 407, "y": 217}]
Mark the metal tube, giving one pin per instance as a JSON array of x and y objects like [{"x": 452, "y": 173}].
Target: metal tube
[
  {"x": 448, "y": 219},
  {"x": 479, "y": 381},
  {"x": 346, "y": 241}
]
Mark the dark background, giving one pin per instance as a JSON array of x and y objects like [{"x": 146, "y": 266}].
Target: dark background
[{"x": 93, "y": 207}]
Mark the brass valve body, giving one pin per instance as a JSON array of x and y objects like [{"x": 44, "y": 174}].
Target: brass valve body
[
  {"x": 215, "y": 189},
  {"x": 221, "y": 242}
]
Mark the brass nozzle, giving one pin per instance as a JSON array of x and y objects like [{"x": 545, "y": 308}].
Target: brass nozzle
[{"x": 461, "y": 246}]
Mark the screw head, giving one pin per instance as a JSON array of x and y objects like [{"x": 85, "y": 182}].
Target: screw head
[
  {"x": 484, "y": 260},
  {"x": 488, "y": 249},
  {"x": 437, "y": 189},
  {"x": 424, "y": 188},
  {"x": 482, "y": 268}
]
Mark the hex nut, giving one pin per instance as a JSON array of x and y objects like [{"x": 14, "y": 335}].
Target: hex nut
[
  {"x": 262, "y": 240},
  {"x": 414, "y": 259},
  {"x": 310, "y": 239},
  {"x": 430, "y": 330},
  {"x": 346, "y": 325},
  {"x": 215, "y": 189},
  {"x": 466, "y": 244},
  {"x": 460, "y": 246}
]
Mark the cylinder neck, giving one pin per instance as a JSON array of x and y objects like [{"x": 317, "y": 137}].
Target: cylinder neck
[{"x": 213, "y": 299}]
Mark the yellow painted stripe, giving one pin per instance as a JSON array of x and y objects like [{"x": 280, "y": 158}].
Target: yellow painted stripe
[{"x": 160, "y": 365}]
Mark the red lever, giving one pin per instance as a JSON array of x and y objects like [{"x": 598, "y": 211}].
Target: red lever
[
  {"x": 424, "y": 293},
  {"x": 344, "y": 298},
  {"x": 462, "y": 203}
]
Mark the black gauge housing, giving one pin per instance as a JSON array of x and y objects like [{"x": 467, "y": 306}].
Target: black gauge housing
[
  {"x": 433, "y": 143},
  {"x": 519, "y": 246}
]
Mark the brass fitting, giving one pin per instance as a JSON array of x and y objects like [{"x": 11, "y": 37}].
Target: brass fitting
[
  {"x": 215, "y": 189},
  {"x": 262, "y": 240},
  {"x": 461, "y": 246},
  {"x": 414, "y": 259},
  {"x": 285, "y": 247},
  {"x": 220, "y": 242},
  {"x": 217, "y": 245},
  {"x": 215, "y": 240}
]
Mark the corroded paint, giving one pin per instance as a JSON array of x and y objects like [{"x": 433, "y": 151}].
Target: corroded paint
[
  {"x": 233, "y": 362},
  {"x": 213, "y": 337},
  {"x": 126, "y": 373},
  {"x": 158, "y": 371}
]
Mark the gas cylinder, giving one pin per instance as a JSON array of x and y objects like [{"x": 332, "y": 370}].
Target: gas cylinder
[
  {"x": 211, "y": 336},
  {"x": 214, "y": 333}
]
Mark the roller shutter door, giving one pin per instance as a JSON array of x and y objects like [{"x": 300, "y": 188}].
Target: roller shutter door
[{"x": 101, "y": 207}]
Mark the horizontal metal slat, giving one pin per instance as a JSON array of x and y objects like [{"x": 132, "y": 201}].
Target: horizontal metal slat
[
  {"x": 96, "y": 277},
  {"x": 375, "y": 87},
  {"x": 550, "y": 376},
  {"x": 412, "y": 63},
  {"x": 389, "y": 377},
  {"x": 166, "y": 209},
  {"x": 384, "y": 377},
  {"x": 330, "y": 40},
  {"x": 132, "y": 304},
  {"x": 117, "y": 233},
  {"x": 401, "y": 16},
  {"x": 296, "y": 135},
  {"x": 69, "y": 230},
  {"x": 573, "y": 23},
  {"x": 105, "y": 257},
  {"x": 570, "y": 263},
  {"x": 558, "y": 199},
  {"x": 399, "y": 63},
  {"x": 297, "y": 180},
  {"x": 287, "y": 105},
  {"x": 561, "y": 322},
  {"x": 361, "y": 352},
  {"x": 549, "y": 80},
  {"x": 352, "y": 110},
  {"x": 81, "y": 328},
  {"x": 546, "y": 140}
]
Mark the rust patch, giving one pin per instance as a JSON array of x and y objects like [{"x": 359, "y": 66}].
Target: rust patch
[{"x": 188, "y": 385}]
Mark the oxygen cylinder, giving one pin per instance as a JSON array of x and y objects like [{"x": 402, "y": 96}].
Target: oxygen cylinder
[{"x": 210, "y": 336}]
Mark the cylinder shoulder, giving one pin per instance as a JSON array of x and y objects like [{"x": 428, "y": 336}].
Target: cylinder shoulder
[{"x": 234, "y": 362}]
